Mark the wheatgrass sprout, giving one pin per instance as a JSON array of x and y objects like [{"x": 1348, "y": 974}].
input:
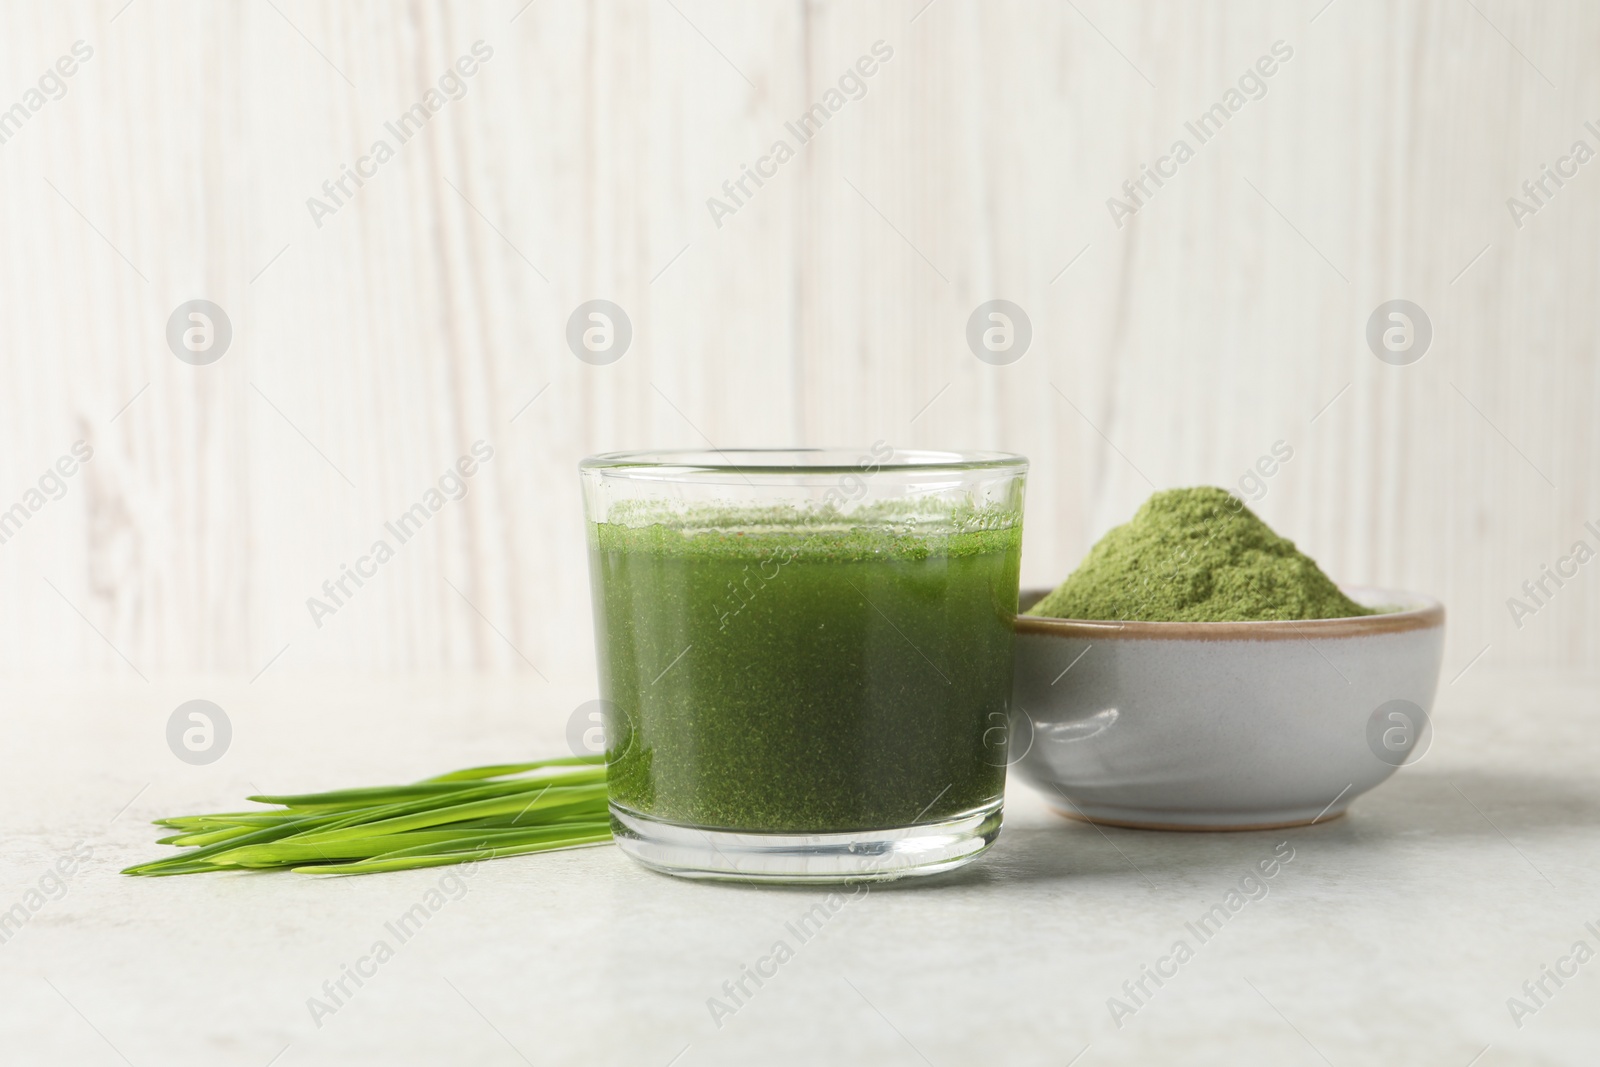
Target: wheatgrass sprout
[{"x": 508, "y": 809}]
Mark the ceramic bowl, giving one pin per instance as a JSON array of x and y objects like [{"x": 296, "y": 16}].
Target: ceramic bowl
[{"x": 1223, "y": 725}]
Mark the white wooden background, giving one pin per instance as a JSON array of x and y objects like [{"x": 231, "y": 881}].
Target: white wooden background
[{"x": 370, "y": 352}]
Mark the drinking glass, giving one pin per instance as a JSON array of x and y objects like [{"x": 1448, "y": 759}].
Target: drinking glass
[{"x": 804, "y": 656}]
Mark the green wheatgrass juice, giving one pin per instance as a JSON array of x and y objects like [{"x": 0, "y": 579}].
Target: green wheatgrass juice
[{"x": 816, "y": 674}]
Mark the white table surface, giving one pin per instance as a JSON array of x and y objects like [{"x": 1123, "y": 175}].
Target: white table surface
[{"x": 1395, "y": 936}]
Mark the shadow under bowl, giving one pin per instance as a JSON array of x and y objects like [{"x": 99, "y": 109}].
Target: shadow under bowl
[{"x": 1223, "y": 725}]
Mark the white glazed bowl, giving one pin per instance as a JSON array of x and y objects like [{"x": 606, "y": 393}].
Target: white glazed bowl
[{"x": 1223, "y": 725}]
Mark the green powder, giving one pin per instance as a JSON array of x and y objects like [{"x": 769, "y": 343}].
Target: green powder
[{"x": 1196, "y": 555}]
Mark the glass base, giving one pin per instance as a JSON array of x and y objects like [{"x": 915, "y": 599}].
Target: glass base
[{"x": 857, "y": 856}]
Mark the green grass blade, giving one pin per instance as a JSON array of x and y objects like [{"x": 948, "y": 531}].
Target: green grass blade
[
  {"x": 295, "y": 851},
  {"x": 470, "y": 842},
  {"x": 223, "y": 818},
  {"x": 154, "y": 871},
  {"x": 389, "y": 794},
  {"x": 405, "y": 863},
  {"x": 595, "y": 810},
  {"x": 551, "y": 798},
  {"x": 467, "y": 793},
  {"x": 270, "y": 833},
  {"x": 208, "y": 837},
  {"x": 499, "y": 770}
]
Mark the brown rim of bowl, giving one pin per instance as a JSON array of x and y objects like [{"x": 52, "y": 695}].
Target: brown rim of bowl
[{"x": 1418, "y": 613}]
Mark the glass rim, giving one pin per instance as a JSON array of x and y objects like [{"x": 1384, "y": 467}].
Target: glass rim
[{"x": 760, "y": 461}]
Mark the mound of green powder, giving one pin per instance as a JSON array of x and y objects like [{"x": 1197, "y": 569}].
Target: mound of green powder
[{"x": 1196, "y": 555}]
